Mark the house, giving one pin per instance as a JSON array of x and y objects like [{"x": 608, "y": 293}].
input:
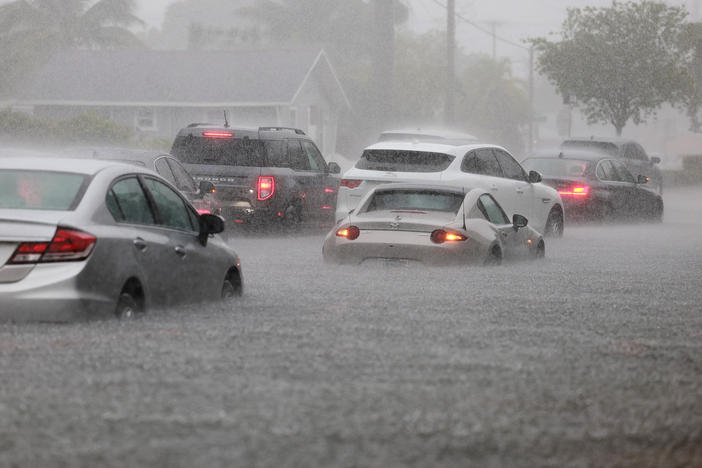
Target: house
[{"x": 158, "y": 92}]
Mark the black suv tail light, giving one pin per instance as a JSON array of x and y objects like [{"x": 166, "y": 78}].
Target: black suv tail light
[{"x": 265, "y": 187}]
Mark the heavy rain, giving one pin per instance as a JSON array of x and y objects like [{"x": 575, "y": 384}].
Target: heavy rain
[{"x": 245, "y": 347}]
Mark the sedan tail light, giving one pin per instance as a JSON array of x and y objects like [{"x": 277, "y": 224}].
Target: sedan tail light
[
  {"x": 350, "y": 183},
  {"x": 576, "y": 191},
  {"x": 67, "y": 245},
  {"x": 350, "y": 232},
  {"x": 440, "y": 236},
  {"x": 265, "y": 187}
]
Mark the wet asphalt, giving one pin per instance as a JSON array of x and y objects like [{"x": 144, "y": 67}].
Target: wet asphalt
[{"x": 592, "y": 357}]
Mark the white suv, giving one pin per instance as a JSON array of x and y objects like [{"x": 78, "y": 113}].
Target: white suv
[{"x": 469, "y": 165}]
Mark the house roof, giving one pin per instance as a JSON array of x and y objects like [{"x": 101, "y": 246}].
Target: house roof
[{"x": 239, "y": 77}]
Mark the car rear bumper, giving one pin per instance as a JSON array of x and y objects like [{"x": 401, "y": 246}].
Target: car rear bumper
[
  {"x": 50, "y": 292},
  {"x": 396, "y": 245}
]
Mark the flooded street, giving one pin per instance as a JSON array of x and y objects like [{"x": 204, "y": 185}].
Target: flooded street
[{"x": 592, "y": 357}]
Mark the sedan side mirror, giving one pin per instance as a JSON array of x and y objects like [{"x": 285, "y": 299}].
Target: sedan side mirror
[
  {"x": 655, "y": 160},
  {"x": 206, "y": 186},
  {"x": 519, "y": 221},
  {"x": 209, "y": 224},
  {"x": 534, "y": 177},
  {"x": 334, "y": 168},
  {"x": 642, "y": 179}
]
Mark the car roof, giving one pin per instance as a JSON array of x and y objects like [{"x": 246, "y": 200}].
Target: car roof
[
  {"x": 271, "y": 130},
  {"x": 429, "y": 146},
  {"x": 59, "y": 163},
  {"x": 597, "y": 139},
  {"x": 127, "y": 154},
  {"x": 571, "y": 154},
  {"x": 427, "y": 134}
]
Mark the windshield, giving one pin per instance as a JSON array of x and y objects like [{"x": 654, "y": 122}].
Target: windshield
[
  {"x": 415, "y": 200},
  {"x": 552, "y": 167},
  {"x": 40, "y": 190},
  {"x": 230, "y": 151},
  {"x": 404, "y": 161}
]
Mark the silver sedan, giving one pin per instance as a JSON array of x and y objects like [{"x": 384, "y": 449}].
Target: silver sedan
[
  {"x": 82, "y": 238},
  {"x": 434, "y": 225}
]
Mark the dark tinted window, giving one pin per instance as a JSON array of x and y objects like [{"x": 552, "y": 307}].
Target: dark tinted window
[
  {"x": 481, "y": 161},
  {"x": 127, "y": 202},
  {"x": 297, "y": 156},
  {"x": 510, "y": 168},
  {"x": 230, "y": 151},
  {"x": 415, "y": 200},
  {"x": 557, "y": 167},
  {"x": 40, "y": 190},
  {"x": 605, "y": 171},
  {"x": 171, "y": 208},
  {"x": 183, "y": 180},
  {"x": 491, "y": 210},
  {"x": 404, "y": 161},
  {"x": 600, "y": 146}
]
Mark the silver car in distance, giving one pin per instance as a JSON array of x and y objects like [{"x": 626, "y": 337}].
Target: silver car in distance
[
  {"x": 82, "y": 238},
  {"x": 434, "y": 225}
]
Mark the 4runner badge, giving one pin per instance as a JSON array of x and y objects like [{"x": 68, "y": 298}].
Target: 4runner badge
[{"x": 395, "y": 225}]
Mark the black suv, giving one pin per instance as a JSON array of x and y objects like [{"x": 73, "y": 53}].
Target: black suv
[
  {"x": 261, "y": 174},
  {"x": 629, "y": 152}
]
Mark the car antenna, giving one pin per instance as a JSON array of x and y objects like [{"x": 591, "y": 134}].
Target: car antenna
[{"x": 226, "y": 121}]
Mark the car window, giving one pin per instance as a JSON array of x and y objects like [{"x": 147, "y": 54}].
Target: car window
[
  {"x": 481, "y": 161},
  {"x": 127, "y": 202},
  {"x": 640, "y": 152},
  {"x": 232, "y": 151},
  {"x": 171, "y": 208},
  {"x": 491, "y": 210},
  {"x": 605, "y": 171},
  {"x": 297, "y": 156},
  {"x": 164, "y": 170},
  {"x": 557, "y": 166},
  {"x": 622, "y": 172},
  {"x": 183, "y": 180},
  {"x": 606, "y": 147},
  {"x": 404, "y": 161},
  {"x": 510, "y": 168},
  {"x": 316, "y": 160},
  {"x": 412, "y": 199},
  {"x": 41, "y": 190}
]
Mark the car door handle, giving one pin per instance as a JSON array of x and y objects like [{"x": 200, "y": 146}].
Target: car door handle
[
  {"x": 494, "y": 188},
  {"x": 180, "y": 250},
  {"x": 140, "y": 243},
  {"x": 520, "y": 190}
]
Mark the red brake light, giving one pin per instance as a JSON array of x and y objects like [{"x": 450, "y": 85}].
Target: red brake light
[
  {"x": 440, "y": 236},
  {"x": 350, "y": 232},
  {"x": 265, "y": 187},
  {"x": 576, "y": 191},
  {"x": 351, "y": 183},
  {"x": 218, "y": 134},
  {"x": 67, "y": 245}
]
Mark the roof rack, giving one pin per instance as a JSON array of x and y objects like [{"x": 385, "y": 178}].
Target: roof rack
[
  {"x": 198, "y": 124},
  {"x": 290, "y": 129}
]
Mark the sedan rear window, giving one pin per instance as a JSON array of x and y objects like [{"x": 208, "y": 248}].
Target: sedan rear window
[
  {"x": 557, "y": 167},
  {"x": 415, "y": 200},
  {"x": 41, "y": 190},
  {"x": 404, "y": 161}
]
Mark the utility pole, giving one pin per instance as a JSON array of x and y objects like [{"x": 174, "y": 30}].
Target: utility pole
[
  {"x": 384, "y": 60},
  {"x": 493, "y": 28},
  {"x": 449, "y": 105},
  {"x": 530, "y": 141}
]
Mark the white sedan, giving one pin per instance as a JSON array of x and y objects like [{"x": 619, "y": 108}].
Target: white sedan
[
  {"x": 455, "y": 163},
  {"x": 434, "y": 225}
]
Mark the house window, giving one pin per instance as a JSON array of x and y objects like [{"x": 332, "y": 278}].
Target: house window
[{"x": 146, "y": 119}]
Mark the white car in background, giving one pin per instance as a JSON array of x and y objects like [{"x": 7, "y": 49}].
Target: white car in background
[{"x": 468, "y": 165}]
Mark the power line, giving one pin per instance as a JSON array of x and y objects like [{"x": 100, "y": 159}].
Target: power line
[{"x": 482, "y": 29}]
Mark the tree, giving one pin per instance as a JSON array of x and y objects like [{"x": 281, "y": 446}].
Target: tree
[
  {"x": 32, "y": 30},
  {"x": 621, "y": 62},
  {"x": 492, "y": 103}
]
